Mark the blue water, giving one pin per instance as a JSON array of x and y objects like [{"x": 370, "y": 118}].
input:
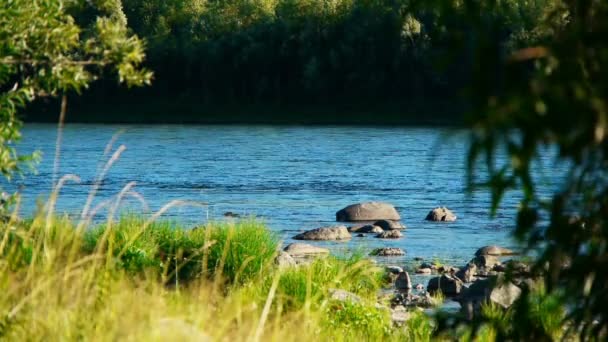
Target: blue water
[{"x": 294, "y": 178}]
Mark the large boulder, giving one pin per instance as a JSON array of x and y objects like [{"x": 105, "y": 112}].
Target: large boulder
[
  {"x": 368, "y": 211},
  {"x": 494, "y": 251},
  {"x": 441, "y": 214},
  {"x": 389, "y": 224},
  {"x": 367, "y": 228},
  {"x": 403, "y": 282},
  {"x": 390, "y": 234},
  {"x": 301, "y": 250},
  {"x": 325, "y": 233},
  {"x": 493, "y": 289},
  {"x": 447, "y": 284},
  {"x": 387, "y": 251}
]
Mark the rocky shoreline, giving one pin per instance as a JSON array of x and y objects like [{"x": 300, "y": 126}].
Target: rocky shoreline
[{"x": 487, "y": 277}]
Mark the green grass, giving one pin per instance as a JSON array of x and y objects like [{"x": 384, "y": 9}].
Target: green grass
[{"x": 138, "y": 280}]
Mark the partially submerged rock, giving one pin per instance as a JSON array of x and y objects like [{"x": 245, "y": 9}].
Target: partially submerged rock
[
  {"x": 447, "y": 284},
  {"x": 389, "y": 224},
  {"x": 302, "y": 250},
  {"x": 387, "y": 251},
  {"x": 403, "y": 282},
  {"x": 368, "y": 211},
  {"x": 424, "y": 270},
  {"x": 494, "y": 251},
  {"x": 325, "y": 233},
  {"x": 442, "y": 214},
  {"x": 390, "y": 234},
  {"x": 367, "y": 228}
]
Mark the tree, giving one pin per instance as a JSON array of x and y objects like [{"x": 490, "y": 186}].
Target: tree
[
  {"x": 550, "y": 94},
  {"x": 44, "y": 52}
]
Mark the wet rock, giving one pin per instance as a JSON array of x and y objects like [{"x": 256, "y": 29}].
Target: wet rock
[
  {"x": 390, "y": 234},
  {"x": 325, "y": 233},
  {"x": 494, "y": 251},
  {"x": 424, "y": 270},
  {"x": 343, "y": 296},
  {"x": 368, "y": 211},
  {"x": 441, "y": 214},
  {"x": 368, "y": 228},
  {"x": 468, "y": 273},
  {"x": 403, "y": 282},
  {"x": 231, "y": 214},
  {"x": 387, "y": 251},
  {"x": 284, "y": 260},
  {"x": 304, "y": 250},
  {"x": 394, "y": 269},
  {"x": 447, "y": 284},
  {"x": 419, "y": 287},
  {"x": 360, "y": 235},
  {"x": 418, "y": 259},
  {"x": 389, "y": 224}
]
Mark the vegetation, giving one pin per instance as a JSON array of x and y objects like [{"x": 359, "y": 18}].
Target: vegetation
[
  {"x": 65, "y": 282},
  {"x": 309, "y": 61}
]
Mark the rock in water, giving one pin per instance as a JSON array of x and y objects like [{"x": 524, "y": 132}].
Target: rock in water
[
  {"x": 441, "y": 214},
  {"x": 368, "y": 211},
  {"x": 388, "y": 224},
  {"x": 325, "y": 233},
  {"x": 304, "y": 250},
  {"x": 448, "y": 285},
  {"x": 387, "y": 251},
  {"x": 494, "y": 251},
  {"x": 368, "y": 228},
  {"x": 390, "y": 234},
  {"x": 403, "y": 282}
]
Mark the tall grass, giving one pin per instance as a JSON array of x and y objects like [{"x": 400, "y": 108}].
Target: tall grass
[{"x": 135, "y": 280}]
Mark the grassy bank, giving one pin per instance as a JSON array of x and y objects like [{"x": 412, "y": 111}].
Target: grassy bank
[{"x": 137, "y": 280}]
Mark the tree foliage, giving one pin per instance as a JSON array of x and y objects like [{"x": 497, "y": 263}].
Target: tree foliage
[
  {"x": 548, "y": 94},
  {"x": 45, "y": 52}
]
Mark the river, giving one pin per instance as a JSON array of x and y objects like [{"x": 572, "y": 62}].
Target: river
[{"x": 294, "y": 178}]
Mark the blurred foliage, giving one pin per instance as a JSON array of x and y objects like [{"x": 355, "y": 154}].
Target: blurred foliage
[
  {"x": 545, "y": 93},
  {"x": 45, "y": 52}
]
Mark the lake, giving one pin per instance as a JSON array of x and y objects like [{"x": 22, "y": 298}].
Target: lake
[{"x": 294, "y": 178}]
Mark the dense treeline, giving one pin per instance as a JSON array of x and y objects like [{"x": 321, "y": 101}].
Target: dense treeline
[{"x": 286, "y": 53}]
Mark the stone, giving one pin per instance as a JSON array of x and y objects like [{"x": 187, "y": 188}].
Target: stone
[
  {"x": 343, "y": 296},
  {"x": 325, "y": 233},
  {"x": 387, "y": 251},
  {"x": 447, "y": 284},
  {"x": 468, "y": 273},
  {"x": 368, "y": 228},
  {"x": 424, "y": 270},
  {"x": 399, "y": 315},
  {"x": 419, "y": 287},
  {"x": 403, "y": 281},
  {"x": 231, "y": 214},
  {"x": 360, "y": 235},
  {"x": 389, "y": 224},
  {"x": 494, "y": 251},
  {"x": 284, "y": 260},
  {"x": 394, "y": 269},
  {"x": 493, "y": 289},
  {"x": 368, "y": 211},
  {"x": 304, "y": 250},
  {"x": 390, "y": 234},
  {"x": 442, "y": 214}
]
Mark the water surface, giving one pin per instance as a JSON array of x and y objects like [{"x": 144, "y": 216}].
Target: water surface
[{"x": 295, "y": 178}]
